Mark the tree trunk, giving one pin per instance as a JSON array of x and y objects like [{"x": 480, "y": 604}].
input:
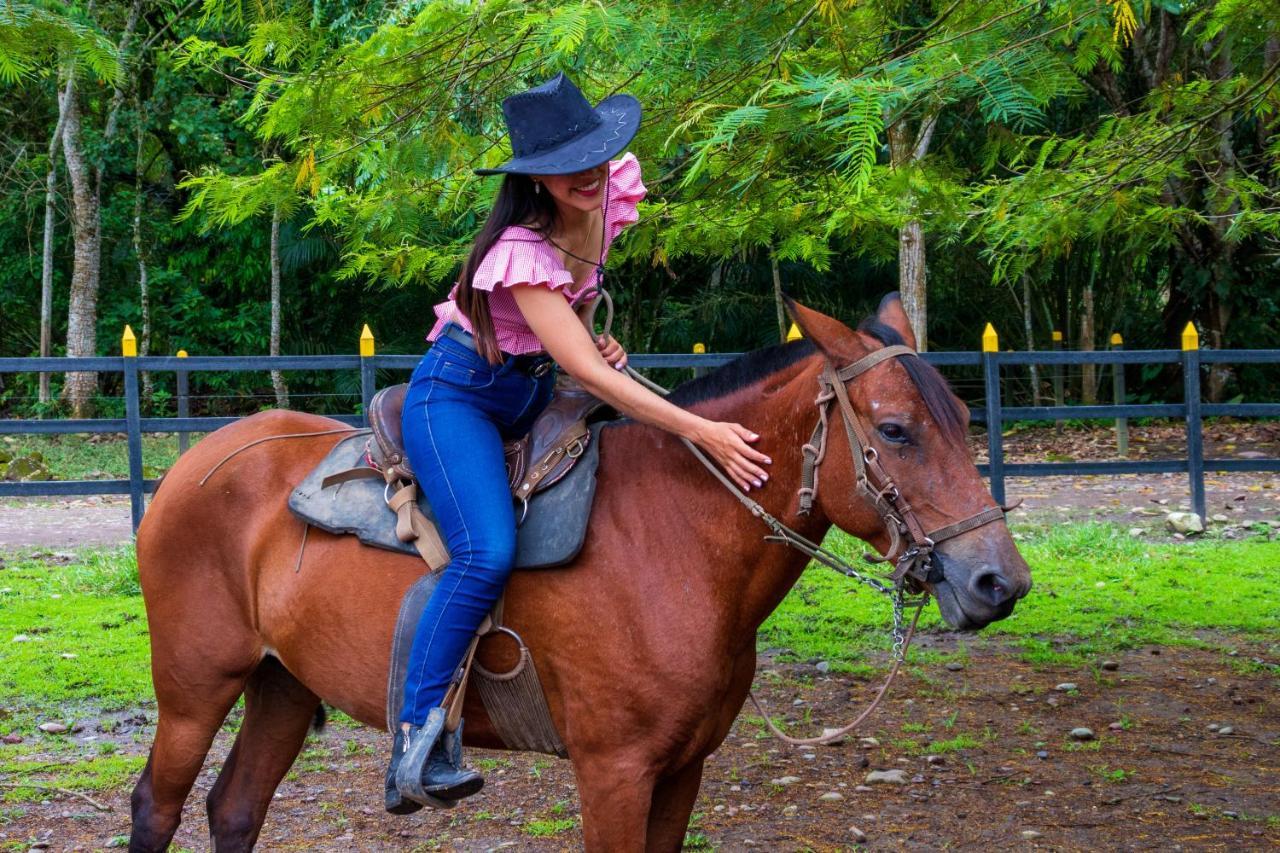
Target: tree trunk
[
  {"x": 1088, "y": 380},
  {"x": 906, "y": 149},
  {"x": 144, "y": 295},
  {"x": 1031, "y": 341},
  {"x": 777, "y": 298},
  {"x": 46, "y": 272},
  {"x": 82, "y": 313},
  {"x": 277, "y": 378}
]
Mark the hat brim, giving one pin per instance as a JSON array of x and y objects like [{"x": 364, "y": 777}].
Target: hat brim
[{"x": 620, "y": 116}]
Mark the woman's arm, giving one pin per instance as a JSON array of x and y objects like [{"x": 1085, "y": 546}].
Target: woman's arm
[{"x": 571, "y": 345}]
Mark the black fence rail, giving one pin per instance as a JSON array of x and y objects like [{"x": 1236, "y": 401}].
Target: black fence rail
[{"x": 992, "y": 412}]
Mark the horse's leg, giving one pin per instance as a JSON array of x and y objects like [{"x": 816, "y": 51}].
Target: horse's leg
[
  {"x": 189, "y": 716},
  {"x": 673, "y": 799},
  {"x": 278, "y": 710},
  {"x": 615, "y": 794}
]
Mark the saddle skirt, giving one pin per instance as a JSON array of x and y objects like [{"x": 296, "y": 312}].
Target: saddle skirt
[{"x": 551, "y": 472}]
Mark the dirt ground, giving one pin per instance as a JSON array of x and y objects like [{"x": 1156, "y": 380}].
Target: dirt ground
[{"x": 1156, "y": 775}]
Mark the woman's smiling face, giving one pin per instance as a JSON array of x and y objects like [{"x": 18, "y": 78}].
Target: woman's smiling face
[{"x": 580, "y": 191}]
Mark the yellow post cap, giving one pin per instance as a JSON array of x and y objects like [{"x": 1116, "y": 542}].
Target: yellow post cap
[
  {"x": 1116, "y": 340},
  {"x": 794, "y": 333},
  {"x": 366, "y": 342},
  {"x": 1190, "y": 337},
  {"x": 1057, "y": 336},
  {"x": 990, "y": 340},
  {"x": 699, "y": 348},
  {"x": 128, "y": 343},
  {"x": 182, "y": 353}
]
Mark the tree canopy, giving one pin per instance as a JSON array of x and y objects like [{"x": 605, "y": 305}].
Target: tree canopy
[{"x": 1082, "y": 165}]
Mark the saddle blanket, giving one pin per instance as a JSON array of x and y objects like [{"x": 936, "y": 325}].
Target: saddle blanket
[{"x": 551, "y": 534}]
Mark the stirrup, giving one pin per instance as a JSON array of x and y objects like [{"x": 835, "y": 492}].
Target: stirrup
[{"x": 409, "y": 773}]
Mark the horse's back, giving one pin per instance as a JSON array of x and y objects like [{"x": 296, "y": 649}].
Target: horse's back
[{"x": 214, "y": 495}]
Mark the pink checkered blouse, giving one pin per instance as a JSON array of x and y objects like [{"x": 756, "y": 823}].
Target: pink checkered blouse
[{"x": 521, "y": 256}]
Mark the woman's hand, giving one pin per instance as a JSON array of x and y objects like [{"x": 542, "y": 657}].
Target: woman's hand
[
  {"x": 729, "y": 445},
  {"x": 612, "y": 351}
]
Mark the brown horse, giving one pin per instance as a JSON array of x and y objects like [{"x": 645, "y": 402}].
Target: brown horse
[{"x": 646, "y": 644}]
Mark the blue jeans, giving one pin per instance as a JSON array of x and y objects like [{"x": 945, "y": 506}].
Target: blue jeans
[{"x": 457, "y": 413}]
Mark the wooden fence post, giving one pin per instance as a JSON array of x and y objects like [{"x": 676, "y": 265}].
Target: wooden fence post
[
  {"x": 699, "y": 349},
  {"x": 367, "y": 375},
  {"x": 184, "y": 404},
  {"x": 1057, "y": 380},
  {"x": 995, "y": 428},
  {"x": 1117, "y": 388},
  {"x": 1195, "y": 431},
  {"x": 133, "y": 424}
]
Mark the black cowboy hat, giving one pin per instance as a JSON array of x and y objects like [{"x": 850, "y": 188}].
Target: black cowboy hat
[{"x": 554, "y": 130}]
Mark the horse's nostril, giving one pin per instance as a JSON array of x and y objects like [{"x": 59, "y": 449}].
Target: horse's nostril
[{"x": 991, "y": 586}]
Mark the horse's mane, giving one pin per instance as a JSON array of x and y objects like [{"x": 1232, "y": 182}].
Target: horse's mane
[
  {"x": 943, "y": 405},
  {"x": 746, "y": 370}
]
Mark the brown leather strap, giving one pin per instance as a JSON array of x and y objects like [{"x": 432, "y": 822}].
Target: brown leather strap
[
  {"x": 973, "y": 522},
  {"x": 358, "y": 473},
  {"x": 574, "y": 436}
]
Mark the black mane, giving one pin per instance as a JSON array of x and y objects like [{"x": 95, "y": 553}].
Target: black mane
[
  {"x": 741, "y": 372},
  {"x": 944, "y": 407}
]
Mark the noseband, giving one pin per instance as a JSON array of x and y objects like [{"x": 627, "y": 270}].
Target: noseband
[{"x": 910, "y": 547}]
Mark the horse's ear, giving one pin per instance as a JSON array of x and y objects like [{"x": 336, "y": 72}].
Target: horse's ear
[
  {"x": 893, "y": 315},
  {"x": 833, "y": 339}
]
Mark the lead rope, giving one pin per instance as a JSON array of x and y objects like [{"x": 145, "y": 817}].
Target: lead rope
[{"x": 787, "y": 536}]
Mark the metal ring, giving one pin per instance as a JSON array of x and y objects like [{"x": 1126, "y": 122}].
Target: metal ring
[
  {"x": 870, "y": 454},
  {"x": 575, "y": 450}
]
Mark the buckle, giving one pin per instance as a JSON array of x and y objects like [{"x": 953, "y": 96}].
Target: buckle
[{"x": 541, "y": 369}]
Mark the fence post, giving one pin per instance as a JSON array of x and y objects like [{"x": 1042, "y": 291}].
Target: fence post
[
  {"x": 133, "y": 424},
  {"x": 1195, "y": 432},
  {"x": 995, "y": 428},
  {"x": 699, "y": 349},
  {"x": 367, "y": 375},
  {"x": 1117, "y": 387},
  {"x": 184, "y": 404},
  {"x": 1057, "y": 380}
]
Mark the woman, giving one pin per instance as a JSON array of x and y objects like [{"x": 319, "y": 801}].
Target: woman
[{"x": 487, "y": 376}]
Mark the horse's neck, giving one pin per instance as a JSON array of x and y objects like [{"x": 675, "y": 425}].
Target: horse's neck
[{"x": 780, "y": 409}]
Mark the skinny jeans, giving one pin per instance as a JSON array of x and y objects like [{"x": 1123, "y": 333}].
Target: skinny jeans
[{"x": 457, "y": 413}]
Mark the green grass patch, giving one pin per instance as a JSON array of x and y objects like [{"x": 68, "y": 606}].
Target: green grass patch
[
  {"x": 547, "y": 828},
  {"x": 103, "y": 773},
  {"x": 71, "y": 635},
  {"x": 1096, "y": 590},
  {"x": 94, "y": 457}
]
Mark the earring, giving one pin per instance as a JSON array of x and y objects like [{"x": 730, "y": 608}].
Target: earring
[{"x": 537, "y": 187}]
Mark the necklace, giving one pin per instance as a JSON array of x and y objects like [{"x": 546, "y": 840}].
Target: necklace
[{"x": 599, "y": 264}]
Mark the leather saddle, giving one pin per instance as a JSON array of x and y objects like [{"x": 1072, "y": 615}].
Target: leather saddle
[
  {"x": 558, "y": 439},
  {"x": 538, "y": 460}
]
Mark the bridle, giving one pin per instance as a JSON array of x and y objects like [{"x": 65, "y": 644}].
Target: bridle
[{"x": 910, "y": 547}]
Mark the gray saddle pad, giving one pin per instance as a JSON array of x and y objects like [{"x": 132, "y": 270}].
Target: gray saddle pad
[{"x": 551, "y": 535}]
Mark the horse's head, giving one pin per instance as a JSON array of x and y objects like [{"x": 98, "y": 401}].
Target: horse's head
[{"x": 915, "y": 464}]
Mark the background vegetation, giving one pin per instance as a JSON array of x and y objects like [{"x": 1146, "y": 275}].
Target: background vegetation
[{"x": 1085, "y": 165}]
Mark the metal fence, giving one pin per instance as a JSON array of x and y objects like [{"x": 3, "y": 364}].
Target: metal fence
[{"x": 992, "y": 412}]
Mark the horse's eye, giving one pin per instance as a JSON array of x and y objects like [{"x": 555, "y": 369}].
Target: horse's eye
[{"x": 893, "y": 432}]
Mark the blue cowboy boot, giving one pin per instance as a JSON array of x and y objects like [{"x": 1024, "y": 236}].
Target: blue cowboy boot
[{"x": 429, "y": 771}]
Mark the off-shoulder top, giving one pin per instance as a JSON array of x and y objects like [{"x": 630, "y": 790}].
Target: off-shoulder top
[{"x": 522, "y": 256}]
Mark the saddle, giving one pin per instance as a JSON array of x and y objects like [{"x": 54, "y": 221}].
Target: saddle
[{"x": 559, "y": 439}]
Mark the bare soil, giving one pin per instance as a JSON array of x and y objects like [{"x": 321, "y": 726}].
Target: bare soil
[{"x": 1154, "y": 777}]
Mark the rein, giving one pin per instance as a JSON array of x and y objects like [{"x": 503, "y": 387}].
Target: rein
[{"x": 911, "y": 549}]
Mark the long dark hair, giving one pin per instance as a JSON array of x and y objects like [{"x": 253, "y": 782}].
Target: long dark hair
[{"x": 516, "y": 204}]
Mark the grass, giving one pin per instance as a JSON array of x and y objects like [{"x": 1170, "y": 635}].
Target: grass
[
  {"x": 94, "y": 457},
  {"x": 102, "y": 773},
  {"x": 549, "y": 827},
  {"x": 1108, "y": 589}
]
